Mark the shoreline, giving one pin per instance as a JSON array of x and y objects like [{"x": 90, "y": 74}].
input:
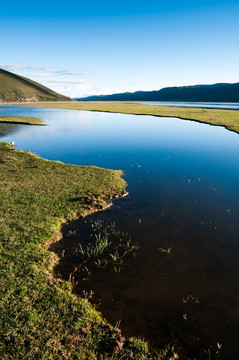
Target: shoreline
[
  {"x": 229, "y": 119},
  {"x": 23, "y": 120},
  {"x": 38, "y": 196}
]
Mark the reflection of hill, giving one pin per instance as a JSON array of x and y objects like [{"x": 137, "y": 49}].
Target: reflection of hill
[
  {"x": 6, "y": 129},
  {"x": 199, "y": 93}
]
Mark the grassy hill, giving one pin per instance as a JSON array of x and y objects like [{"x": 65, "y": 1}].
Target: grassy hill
[{"x": 15, "y": 88}]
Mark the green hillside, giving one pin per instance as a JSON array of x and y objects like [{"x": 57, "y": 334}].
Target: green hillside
[{"x": 15, "y": 88}]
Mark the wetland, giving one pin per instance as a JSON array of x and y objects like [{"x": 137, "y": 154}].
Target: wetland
[{"x": 176, "y": 233}]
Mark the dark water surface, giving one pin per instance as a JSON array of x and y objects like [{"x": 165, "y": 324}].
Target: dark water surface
[{"x": 182, "y": 210}]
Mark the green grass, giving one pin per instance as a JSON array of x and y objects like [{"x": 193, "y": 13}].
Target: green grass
[
  {"x": 106, "y": 249},
  {"x": 227, "y": 118},
  {"x": 21, "y": 120},
  {"x": 18, "y": 88},
  {"x": 40, "y": 317}
]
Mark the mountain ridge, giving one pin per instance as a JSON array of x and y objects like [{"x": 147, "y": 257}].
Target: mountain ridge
[
  {"x": 16, "y": 88},
  {"x": 219, "y": 92}
]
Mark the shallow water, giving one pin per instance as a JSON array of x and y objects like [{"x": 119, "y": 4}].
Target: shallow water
[
  {"x": 183, "y": 197},
  {"x": 206, "y": 105}
]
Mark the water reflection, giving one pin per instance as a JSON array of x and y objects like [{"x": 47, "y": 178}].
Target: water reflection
[
  {"x": 7, "y": 129},
  {"x": 182, "y": 211},
  {"x": 202, "y": 105}
]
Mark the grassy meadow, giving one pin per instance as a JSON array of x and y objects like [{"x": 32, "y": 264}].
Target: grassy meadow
[
  {"x": 40, "y": 316},
  {"x": 227, "y": 118},
  {"x": 21, "y": 120}
]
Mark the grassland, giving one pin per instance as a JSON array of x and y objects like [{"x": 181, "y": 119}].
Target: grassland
[
  {"x": 18, "y": 88},
  {"x": 21, "y": 120},
  {"x": 40, "y": 317},
  {"x": 227, "y": 118}
]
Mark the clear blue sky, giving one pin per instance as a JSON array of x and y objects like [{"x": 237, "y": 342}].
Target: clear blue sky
[{"x": 100, "y": 47}]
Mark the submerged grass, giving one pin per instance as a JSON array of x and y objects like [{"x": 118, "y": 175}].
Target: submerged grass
[
  {"x": 227, "y": 118},
  {"x": 40, "y": 317},
  {"x": 21, "y": 120},
  {"x": 106, "y": 249}
]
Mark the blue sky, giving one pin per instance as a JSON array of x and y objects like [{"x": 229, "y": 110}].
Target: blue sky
[{"x": 102, "y": 47}]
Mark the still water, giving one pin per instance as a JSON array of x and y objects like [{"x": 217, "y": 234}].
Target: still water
[
  {"x": 206, "y": 105},
  {"x": 181, "y": 284}
]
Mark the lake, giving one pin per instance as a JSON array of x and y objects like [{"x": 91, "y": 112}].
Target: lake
[
  {"x": 181, "y": 284},
  {"x": 190, "y": 104}
]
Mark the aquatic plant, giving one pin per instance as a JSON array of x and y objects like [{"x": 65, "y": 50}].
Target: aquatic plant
[
  {"x": 191, "y": 298},
  {"x": 106, "y": 248},
  {"x": 165, "y": 251}
]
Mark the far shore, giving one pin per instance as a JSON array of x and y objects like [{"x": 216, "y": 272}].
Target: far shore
[{"x": 219, "y": 117}]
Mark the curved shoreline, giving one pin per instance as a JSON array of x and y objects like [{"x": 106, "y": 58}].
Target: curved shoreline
[
  {"x": 219, "y": 117},
  {"x": 40, "y": 314}
]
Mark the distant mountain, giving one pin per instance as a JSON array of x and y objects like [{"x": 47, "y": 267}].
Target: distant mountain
[
  {"x": 200, "y": 93},
  {"x": 16, "y": 88}
]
